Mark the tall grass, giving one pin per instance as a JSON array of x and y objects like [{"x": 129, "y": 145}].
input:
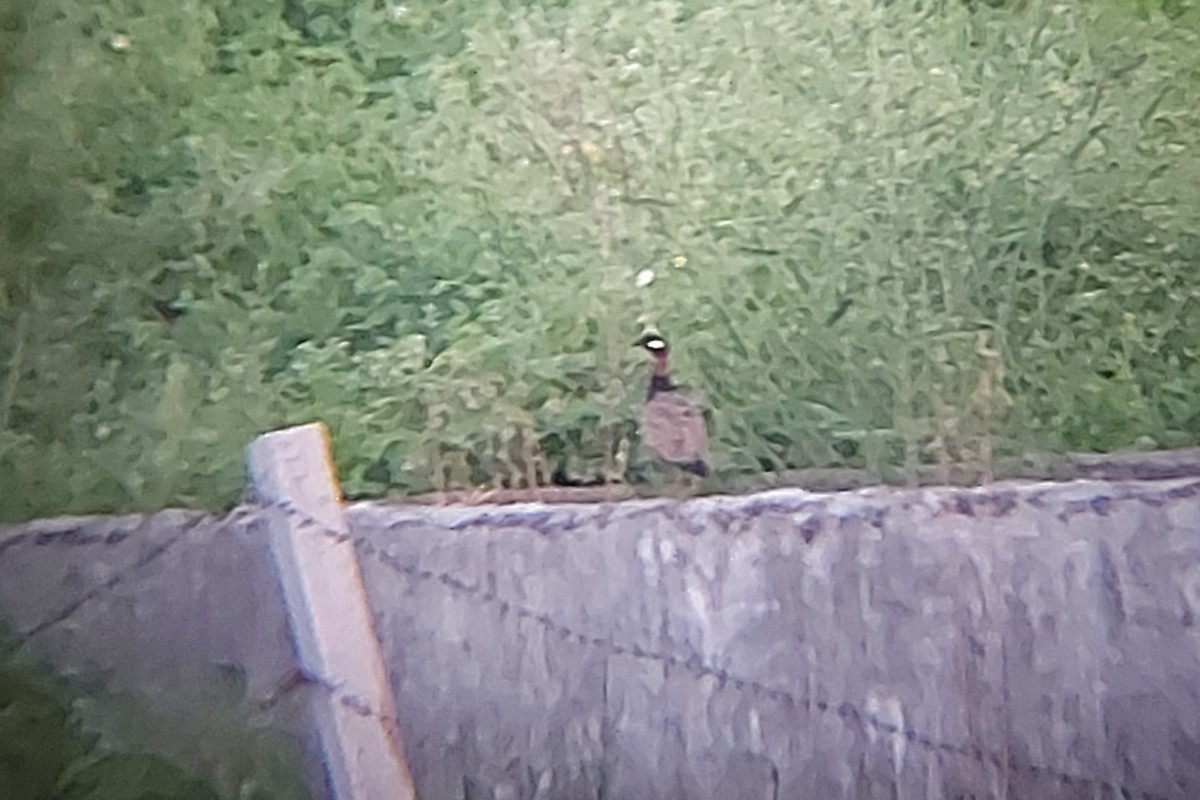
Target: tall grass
[{"x": 879, "y": 235}]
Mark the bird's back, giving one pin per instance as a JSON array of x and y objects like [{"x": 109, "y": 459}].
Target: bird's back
[{"x": 674, "y": 428}]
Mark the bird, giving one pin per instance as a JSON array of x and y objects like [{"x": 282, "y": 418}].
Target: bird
[{"x": 673, "y": 425}]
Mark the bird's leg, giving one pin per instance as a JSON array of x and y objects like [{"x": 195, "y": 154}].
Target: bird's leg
[
  {"x": 693, "y": 484},
  {"x": 678, "y": 483}
]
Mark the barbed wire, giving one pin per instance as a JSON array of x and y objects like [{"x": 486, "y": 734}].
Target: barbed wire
[
  {"x": 692, "y": 663},
  {"x": 695, "y": 665},
  {"x": 67, "y": 611}
]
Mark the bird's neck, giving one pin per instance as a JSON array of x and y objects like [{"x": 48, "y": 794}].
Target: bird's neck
[{"x": 660, "y": 378}]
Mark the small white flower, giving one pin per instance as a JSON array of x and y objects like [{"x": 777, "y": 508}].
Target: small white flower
[
  {"x": 644, "y": 278},
  {"x": 119, "y": 42}
]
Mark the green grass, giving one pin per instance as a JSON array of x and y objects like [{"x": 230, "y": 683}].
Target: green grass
[{"x": 882, "y": 235}]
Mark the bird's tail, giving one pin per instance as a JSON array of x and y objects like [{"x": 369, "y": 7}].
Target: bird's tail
[{"x": 697, "y": 467}]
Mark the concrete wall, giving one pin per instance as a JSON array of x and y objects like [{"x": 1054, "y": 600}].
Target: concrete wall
[
  {"x": 1033, "y": 641},
  {"x": 1017, "y": 641},
  {"x": 172, "y": 634}
]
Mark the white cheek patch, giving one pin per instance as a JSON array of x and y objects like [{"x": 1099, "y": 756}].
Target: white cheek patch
[{"x": 656, "y": 344}]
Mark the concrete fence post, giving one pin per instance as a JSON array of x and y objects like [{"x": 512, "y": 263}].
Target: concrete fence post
[{"x": 330, "y": 620}]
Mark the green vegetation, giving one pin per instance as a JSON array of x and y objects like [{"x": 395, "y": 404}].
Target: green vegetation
[
  {"x": 882, "y": 234},
  {"x": 46, "y": 754}
]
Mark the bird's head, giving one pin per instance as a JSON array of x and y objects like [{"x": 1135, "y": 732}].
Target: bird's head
[{"x": 654, "y": 344}]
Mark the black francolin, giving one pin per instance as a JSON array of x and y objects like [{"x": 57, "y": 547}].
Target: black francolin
[{"x": 673, "y": 425}]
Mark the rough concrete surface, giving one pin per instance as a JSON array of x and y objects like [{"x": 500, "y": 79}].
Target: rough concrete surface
[
  {"x": 1015, "y": 641},
  {"x": 173, "y": 634}
]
